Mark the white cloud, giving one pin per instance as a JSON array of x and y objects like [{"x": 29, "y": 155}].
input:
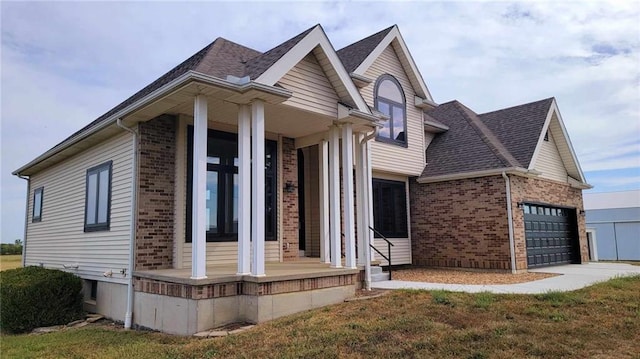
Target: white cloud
[{"x": 64, "y": 64}]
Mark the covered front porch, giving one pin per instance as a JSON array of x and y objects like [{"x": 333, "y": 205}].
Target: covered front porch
[
  {"x": 227, "y": 209},
  {"x": 222, "y": 245}
]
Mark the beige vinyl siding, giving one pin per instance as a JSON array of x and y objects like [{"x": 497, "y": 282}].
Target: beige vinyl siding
[
  {"x": 59, "y": 238},
  {"x": 400, "y": 252},
  {"x": 549, "y": 161},
  {"x": 311, "y": 89},
  {"x": 388, "y": 157},
  {"x": 227, "y": 252}
]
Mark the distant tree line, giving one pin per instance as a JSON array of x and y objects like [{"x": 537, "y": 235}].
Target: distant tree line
[{"x": 11, "y": 248}]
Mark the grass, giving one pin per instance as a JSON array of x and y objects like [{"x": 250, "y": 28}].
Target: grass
[
  {"x": 10, "y": 261},
  {"x": 600, "y": 321}
]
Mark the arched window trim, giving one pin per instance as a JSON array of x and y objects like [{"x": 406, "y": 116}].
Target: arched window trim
[{"x": 379, "y": 81}]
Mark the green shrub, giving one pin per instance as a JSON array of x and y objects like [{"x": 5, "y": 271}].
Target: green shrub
[{"x": 34, "y": 297}]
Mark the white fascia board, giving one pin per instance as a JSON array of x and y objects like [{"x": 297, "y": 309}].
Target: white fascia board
[
  {"x": 175, "y": 85},
  {"x": 394, "y": 34},
  {"x": 519, "y": 171},
  {"x": 565, "y": 135},
  {"x": 315, "y": 38}
]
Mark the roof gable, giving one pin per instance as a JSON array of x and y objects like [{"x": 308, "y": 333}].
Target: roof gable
[
  {"x": 353, "y": 55},
  {"x": 315, "y": 41},
  {"x": 393, "y": 37},
  {"x": 555, "y": 126}
]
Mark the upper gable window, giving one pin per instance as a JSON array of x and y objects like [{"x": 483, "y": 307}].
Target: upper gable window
[{"x": 389, "y": 99}]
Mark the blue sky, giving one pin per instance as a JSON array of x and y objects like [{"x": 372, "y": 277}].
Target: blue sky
[{"x": 65, "y": 64}]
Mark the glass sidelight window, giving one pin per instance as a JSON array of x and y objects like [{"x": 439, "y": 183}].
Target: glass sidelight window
[{"x": 222, "y": 187}]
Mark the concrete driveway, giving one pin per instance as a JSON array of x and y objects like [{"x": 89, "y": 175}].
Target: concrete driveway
[{"x": 572, "y": 277}]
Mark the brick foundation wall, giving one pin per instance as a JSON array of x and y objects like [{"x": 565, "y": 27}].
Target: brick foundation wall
[
  {"x": 461, "y": 223},
  {"x": 156, "y": 179},
  {"x": 233, "y": 288},
  {"x": 290, "y": 211},
  {"x": 548, "y": 192}
]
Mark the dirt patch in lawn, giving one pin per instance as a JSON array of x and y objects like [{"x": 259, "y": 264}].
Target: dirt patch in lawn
[{"x": 430, "y": 275}]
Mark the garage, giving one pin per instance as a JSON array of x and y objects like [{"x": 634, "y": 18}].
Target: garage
[{"x": 551, "y": 234}]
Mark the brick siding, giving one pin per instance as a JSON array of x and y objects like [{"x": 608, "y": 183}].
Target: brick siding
[
  {"x": 463, "y": 223},
  {"x": 290, "y": 212},
  {"x": 156, "y": 178}
]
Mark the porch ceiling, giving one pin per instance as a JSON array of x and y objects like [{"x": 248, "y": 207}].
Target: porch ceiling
[{"x": 223, "y": 108}]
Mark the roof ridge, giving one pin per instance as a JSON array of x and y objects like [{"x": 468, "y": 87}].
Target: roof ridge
[
  {"x": 516, "y": 106},
  {"x": 489, "y": 138}
]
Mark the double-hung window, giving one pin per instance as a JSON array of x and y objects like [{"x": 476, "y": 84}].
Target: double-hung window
[
  {"x": 98, "y": 198},
  {"x": 389, "y": 100},
  {"x": 390, "y": 208},
  {"x": 37, "y": 204}
]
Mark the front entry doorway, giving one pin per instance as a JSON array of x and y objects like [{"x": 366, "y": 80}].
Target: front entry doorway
[{"x": 309, "y": 202}]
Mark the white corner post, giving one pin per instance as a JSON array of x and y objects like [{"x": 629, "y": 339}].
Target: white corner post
[
  {"x": 369, "y": 191},
  {"x": 244, "y": 190},
  {"x": 198, "y": 230},
  {"x": 325, "y": 254},
  {"x": 334, "y": 196},
  {"x": 361, "y": 230},
  {"x": 257, "y": 188},
  {"x": 347, "y": 180}
]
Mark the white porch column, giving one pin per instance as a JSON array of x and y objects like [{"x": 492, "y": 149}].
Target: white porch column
[
  {"x": 347, "y": 185},
  {"x": 360, "y": 198},
  {"x": 334, "y": 196},
  {"x": 199, "y": 221},
  {"x": 325, "y": 254},
  {"x": 257, "y": 187},
  {"x": 369, "y": 191},
  {"x": 244, "y": 190}
]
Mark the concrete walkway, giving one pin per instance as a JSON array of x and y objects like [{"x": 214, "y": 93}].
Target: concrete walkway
[{"x": 573, "y": 276}]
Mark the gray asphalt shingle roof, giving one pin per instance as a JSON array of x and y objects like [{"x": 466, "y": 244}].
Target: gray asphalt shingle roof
[{"x": 494, "y": 140}]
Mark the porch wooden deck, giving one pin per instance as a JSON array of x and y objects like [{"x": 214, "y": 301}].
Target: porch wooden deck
[{"x": 274, "y": 271}]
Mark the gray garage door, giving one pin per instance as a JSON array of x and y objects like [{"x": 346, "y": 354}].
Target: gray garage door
[{"x": 551, "y": 234}]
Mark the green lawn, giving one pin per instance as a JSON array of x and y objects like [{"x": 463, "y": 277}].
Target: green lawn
[
  {"x": 10, "y": 261},
  {"x": 600, "y": 321}
]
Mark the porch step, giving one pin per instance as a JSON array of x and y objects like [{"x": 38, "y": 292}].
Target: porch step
[{"x": 377, "y": 275}]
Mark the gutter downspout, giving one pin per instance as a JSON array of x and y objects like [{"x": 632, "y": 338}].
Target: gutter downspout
[
  {"x": 367, "y": 189},
  {"x": 512, "y": 244},
  {"x": 134, "y": 203},
  {"x": 26, "y": 219}
]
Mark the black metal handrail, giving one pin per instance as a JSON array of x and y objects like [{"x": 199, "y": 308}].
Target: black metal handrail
[{"x": 389, "y": 245}]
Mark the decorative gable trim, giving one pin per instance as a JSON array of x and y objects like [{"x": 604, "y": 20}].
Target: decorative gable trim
[
  {"x": 561, "y": 136},
  {"x": 409, "y": 65},
  {"x": 316, "y": 38}
]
